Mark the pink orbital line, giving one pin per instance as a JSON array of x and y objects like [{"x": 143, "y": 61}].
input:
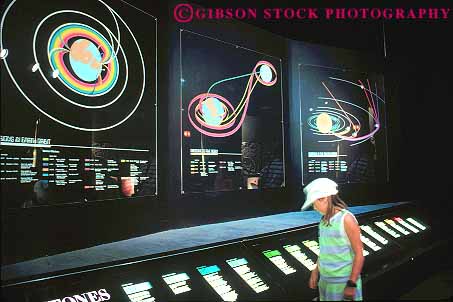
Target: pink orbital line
[
  {"x": 366, "y": 96},
  {"x": 218, "y": 128},
  {"x": 258, "y": 77},
  {"x": 371, "y": 95},
  {"x": 369, "y": 102},
  {"x": 372, "y": 100},
  {"x": 213, "y": 127},
  {"x": 243, "y": 112},
  {"x": 68, "y": 75},
  {"x": 203, "y": 96},
  {"x": 195, "y": 99},
  {"x": 74, "y": 32},
  {"x": 61, "y": 44},
  {"x": 361, "y": 137},
  {"x": 225, "y": 134},
  {"x": 237, "y": 126},
  {"x": 197, "y": 109},
  {"x": 98, "y": 41},
  {"x": 72, "y": 79}
]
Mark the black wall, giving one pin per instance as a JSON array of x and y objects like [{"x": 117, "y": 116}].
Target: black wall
[{"x": 418, "y": 75}]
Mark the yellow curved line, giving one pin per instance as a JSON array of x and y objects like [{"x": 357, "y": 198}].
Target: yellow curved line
[
  {"x": 238, "y": 109},
  {"x": 201, "y": 115},
  {"x": 241, "y": 103},
  {"x": 335, "y": 99}
]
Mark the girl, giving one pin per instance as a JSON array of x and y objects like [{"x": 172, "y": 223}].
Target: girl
[{"x": 341, "y": 258}]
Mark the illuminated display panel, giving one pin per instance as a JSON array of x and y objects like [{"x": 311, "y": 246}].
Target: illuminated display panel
[
  {"x": 231, "y": 117},
  {"x": 416, "y": 223},
  {"x": 343, "y": 125},
  {"x": 388, "y": 230},
  {"x": 275, "y": 256},
  {"x": 212, "y": 275},
  {"x": 178, "y": 283},
  {"x": 78, "y": 102},
  {"x": 302, "y": 257},
  {"x": 369, "y": 230},
  {"x": 396, "y": 226},
  {"x": 312, "y": 245},
  {"x": 241, "y": 267},
  {"x": 370, "y": 243},
  {"x": 139, "y": 292},
  {"x": 406, "y": 225}
]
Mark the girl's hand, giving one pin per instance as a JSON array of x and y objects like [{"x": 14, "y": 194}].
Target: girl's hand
[
  {"x": 349, "y": 293},
  {"x": 313, "y": 281}
]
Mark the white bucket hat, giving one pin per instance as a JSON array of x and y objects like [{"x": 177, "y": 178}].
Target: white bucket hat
[{"x": 318, "y": 188}]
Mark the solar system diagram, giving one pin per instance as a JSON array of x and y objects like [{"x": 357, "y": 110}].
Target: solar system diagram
[
  {"x": 343, "y": 125},
  {"x": 221, "y": 85},
  {"x": 78, "y": 80}
]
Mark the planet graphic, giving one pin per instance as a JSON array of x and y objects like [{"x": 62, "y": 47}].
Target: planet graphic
[
  {"x": 324, "y": 123},
  {"x": 213, "y": 111},
  {"x": 266, "y": 73},
  {"x": 85, "y": 59}
]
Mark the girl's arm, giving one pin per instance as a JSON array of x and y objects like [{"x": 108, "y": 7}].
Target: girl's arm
[
  {"x": 313, "y": 281},
  {"x": 353, "y": 231}
]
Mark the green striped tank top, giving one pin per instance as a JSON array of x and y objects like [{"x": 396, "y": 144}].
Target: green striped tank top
[{"x": 335, "y": 250}]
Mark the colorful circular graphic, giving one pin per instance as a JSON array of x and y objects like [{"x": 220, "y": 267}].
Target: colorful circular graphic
[
  {"x": 266, "y": 73},
  {"x": 73, "y": 61},
  {"x": 326, "y": 122},
  {"x": 213, "y": 111},
  {"x": 85, "y": 60}
]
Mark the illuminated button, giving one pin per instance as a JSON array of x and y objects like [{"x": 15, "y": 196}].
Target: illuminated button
[
  {"x": 384, "y": 227},
  {"x": 406, "y": 225},
  {"x": 296, "y": 252},
  {"x": 139, "y": 292},
  {"x": 212, "y": 275},
  {"x": 397, "y": 227},
  {"x": 312, "y": 245},
  {"x": 367, "y": 229},
  {"x": 276, "y": 258},
  {"x": 416, "y": 223},
  {"x": 177, "y": 282},
  {"x": 370, "y": 243},
  {"x": 241, "y": 267}
]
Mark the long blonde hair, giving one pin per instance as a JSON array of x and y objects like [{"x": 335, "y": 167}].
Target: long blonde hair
[{"x": 334, "y": 202}]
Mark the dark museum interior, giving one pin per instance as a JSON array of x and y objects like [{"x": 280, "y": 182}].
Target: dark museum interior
[{"x": 183, "y": 221}]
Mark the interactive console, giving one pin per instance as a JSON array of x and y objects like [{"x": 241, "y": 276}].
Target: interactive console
[{"x": 273, "y": 267}]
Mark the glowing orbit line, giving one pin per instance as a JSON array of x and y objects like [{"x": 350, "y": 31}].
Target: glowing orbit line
[
  {"x": 215, "y": 113},
  {"x": 362, "y": 87},
  {"x": 345, "y": 126}
]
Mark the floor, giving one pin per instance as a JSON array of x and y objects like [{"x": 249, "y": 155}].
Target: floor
[{"x": 438, "y": 286}]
